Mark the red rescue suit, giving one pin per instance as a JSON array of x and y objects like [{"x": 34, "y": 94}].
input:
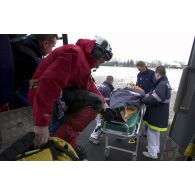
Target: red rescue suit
[{"x": 66, "y": 66}]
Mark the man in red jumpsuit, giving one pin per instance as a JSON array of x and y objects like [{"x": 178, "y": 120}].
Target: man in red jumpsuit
[{"x": 67, "y": 67}]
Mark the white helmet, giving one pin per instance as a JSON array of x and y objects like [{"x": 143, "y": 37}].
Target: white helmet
[{"x": 102, "y": 49}]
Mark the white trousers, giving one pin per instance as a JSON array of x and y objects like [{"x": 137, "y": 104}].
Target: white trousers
[
  {"x": 153, "y": 138},
  {"x": 95, "y": 134}
]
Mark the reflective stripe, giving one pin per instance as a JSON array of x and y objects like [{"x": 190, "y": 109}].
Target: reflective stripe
[
  {"x": 155, "y": 128},
  {"x": 190, "y": 150},
  {"x": 157, "y": 97},
  {"x": 166, "y": 101}
]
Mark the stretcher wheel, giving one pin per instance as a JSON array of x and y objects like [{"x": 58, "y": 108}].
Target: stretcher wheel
[{"x": 107, "y": 153}]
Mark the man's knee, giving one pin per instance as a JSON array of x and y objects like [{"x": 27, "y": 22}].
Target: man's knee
[
  {"x": 79, "y": 120},
  {"x": 96, "y": 102}
]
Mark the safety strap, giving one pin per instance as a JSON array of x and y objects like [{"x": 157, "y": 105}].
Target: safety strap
[
  {"x": 66, "y": 151},
  {"x": 18, "y": 147},
  {"x": 55, "y": 151},
  {"x": 49, "y": 146},
  {"x": 33, "y": 83},
  {"x": 23, "y": 147}
]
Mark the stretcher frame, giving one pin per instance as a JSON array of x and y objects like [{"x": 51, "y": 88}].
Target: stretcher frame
[{"x": 113, "y": 128}]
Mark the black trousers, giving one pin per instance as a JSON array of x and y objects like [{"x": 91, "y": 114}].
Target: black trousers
[{"x": 77, "y": 99}]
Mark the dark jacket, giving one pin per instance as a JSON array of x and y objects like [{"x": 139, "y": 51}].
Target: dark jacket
[
  {"x": 146, "y": 80},
  {"x": 157, "y": 113},
  {"x": 105, "y": 89},
  {"x": 27, "y": 55}
]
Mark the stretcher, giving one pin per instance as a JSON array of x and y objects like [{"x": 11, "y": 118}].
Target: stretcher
[{"x": 124, "y": 130}]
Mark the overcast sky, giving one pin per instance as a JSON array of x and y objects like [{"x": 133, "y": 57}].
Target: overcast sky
[
  {"x": 147, "y": 47},
  {"x": 139, "y": 30}
]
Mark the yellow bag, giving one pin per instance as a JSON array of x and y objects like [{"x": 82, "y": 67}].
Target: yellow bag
[{"x": 55, "y": 149}]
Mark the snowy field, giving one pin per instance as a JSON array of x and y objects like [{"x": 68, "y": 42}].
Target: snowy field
[{"x": 122, "y": 75}]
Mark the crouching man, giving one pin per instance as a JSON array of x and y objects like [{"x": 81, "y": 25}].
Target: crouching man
[{"x": 66, "y": 68}]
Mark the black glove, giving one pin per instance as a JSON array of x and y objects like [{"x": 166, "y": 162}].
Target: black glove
[{"x": 109, "y": 114}]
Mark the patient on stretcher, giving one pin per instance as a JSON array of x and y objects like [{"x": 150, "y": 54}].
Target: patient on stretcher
[{"x": 123, "y": 103}]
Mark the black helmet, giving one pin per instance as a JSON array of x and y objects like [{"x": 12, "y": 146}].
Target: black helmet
[{"x": 102, "y": 49}]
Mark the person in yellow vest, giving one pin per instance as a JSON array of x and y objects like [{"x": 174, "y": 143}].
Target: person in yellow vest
[{"x": 157, "y": 114}]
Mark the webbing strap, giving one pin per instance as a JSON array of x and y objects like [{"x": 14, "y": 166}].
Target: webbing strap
[
  {"x": 18, "y": 147},
  {"x": 53, "y": 150},
  {"x": 66, "y": 151},
  {"x": 33, "y": 83}
]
